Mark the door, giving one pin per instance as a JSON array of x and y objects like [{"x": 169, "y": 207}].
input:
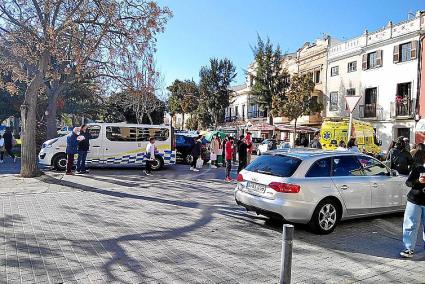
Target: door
[
  {"x": 120, "y": 146},
  {"x": 352, "y": 184},
  {"x": 386, "y": 190},
  {"x": 95, "y": 151}
]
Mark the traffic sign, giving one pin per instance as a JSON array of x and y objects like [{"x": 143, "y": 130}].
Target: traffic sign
[{"x": 352, "y": 102}]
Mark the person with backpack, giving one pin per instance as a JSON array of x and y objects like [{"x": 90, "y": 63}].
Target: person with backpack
[
  {"x": 415, "y": 206},
  {"x": 399, "y": 158},
  {"x": 83, "y": 147},
  {"x": 228, "y": 156},
  {"x": 9, "y": 142},
  {"x": 71, "y": 149}
]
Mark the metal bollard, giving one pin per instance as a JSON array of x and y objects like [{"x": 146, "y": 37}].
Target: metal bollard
[{"x": 286, "y": 257}]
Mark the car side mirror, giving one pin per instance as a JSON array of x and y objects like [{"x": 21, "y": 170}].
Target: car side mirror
[{"x": 394, "y": 173}]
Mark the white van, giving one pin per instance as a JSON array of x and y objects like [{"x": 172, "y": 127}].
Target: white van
[{"x": 116, "y": 144}]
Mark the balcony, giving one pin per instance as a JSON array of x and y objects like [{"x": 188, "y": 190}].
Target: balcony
[
  {"x": 367, "y": 111},
  {"x": 403, "y": 108}
]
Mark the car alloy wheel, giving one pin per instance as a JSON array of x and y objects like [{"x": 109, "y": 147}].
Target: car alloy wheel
[{"x": 327, "y": 217}]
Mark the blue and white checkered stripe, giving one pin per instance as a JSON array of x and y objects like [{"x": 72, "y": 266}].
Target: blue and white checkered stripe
[{"x": 168, "y": 156}]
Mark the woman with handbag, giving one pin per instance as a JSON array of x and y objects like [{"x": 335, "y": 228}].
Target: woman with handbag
[{"x": 196, "y": 153}]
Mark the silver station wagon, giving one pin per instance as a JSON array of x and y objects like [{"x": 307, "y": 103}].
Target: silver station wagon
[{"x": 319, "y": 188}]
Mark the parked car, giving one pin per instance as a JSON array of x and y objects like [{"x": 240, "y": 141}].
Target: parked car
[
  {"x": 319, "y": 188},
  {"x": 184, "y": 145},
  {"x": 256, "y": 141},
  {"x": 266, "y": 145},
  {"x": 65, "y": 130}
]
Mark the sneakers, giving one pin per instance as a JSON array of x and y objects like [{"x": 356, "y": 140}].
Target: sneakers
[
  {"x": 195, "y": 170},
  {"x": 191, "y": 169},
  {"x": 407, "y": 253},
  {"x": 228, "y": 179},
  {"x": 213, "y": 167}
]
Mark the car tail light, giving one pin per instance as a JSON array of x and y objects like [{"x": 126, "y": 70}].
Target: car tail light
[
  {"x": 285, "y": 187},
  {"x": 239, "y": 178}
]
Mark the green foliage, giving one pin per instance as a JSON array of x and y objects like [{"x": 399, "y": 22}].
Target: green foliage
[
  {"x": 298, "y": 100},
  {"x": 214, "y": 86},
  {"x": 184, "y": 97},
  {"x": 192, "y": 123},
  {"x": 269, "y": 77}
]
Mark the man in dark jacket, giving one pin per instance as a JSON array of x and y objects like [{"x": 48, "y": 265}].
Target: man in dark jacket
[
  {"x": 8, "y": 143},
  {"x": 196, "y": 153},
  {"x": 400, "y": 159},
  {"x": 243, "y": 153},
  {"x": 315, "y": 143},
  {"x": 83, "y": 148},
  {"x": 71, "y": 149}
]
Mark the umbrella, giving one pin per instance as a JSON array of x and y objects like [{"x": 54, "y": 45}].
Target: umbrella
[{"x": 211, "y": 134}]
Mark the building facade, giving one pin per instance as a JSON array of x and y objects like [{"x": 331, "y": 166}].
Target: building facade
[{"x": 381, "y": 67}]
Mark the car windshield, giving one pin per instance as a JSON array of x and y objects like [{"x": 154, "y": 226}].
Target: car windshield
[{"x": 275, "y": 165}]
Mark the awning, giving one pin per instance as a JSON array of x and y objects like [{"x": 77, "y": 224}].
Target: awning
[
  {"x": 300, "y": 129},
  {"x": 262, "y": 127}
]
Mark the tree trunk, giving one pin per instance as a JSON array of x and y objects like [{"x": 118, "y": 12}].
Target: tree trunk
[
  {"x": 150, "y": 118},
  {"x": 182, "y": 127},
  {"x": 29, "y": 167},
  {"x": 295, "y": 133},
  {"x": 52, "y": 108}
]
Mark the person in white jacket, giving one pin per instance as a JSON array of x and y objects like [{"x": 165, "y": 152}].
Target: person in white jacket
[{"x": 150, "y": 156}]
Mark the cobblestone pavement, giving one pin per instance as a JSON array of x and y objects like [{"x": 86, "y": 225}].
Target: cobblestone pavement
[{"x": 116, "y": 226}]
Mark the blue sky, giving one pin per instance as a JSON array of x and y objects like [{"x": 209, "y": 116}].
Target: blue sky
[{"x": 201, "y": 29}]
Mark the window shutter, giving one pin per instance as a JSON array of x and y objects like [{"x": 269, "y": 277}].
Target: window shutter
[
  {"x": 378, "y": 58},
  {"x": 364, "y": 62},
  {"x": 413, "y": 51},
  {"x": 396, "y": 54}
]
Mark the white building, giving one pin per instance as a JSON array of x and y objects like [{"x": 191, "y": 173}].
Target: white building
[{"x": 382, "y": 67}]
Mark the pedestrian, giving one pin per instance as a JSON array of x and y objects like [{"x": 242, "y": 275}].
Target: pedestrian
[
  {"x": 248, "y": 141},
  {"x": 315, "y": 143},
  {"x": 83, "y": 147},
  {"x": 235, "y": 149},
  {"x": 9, "y": 142},
  {"x": 341, "y": 146},
  {"x": 304, "y": 141},
  {"x": 399, "y": 158},
  {"x": 196, "y": 153},
  {"x": 407, "y": 143},
  {"x": 228, "y": 156},
  {"x": 243, "y": 153},
  {"x": 71, "y": 149},
  {"x": 415, "y": 206},
  {"x": 352, "y": 145},
  {"x": 219, "y": 151},
  {"x": 1, "y": 149},
  {"x": 150, "y": 156}
]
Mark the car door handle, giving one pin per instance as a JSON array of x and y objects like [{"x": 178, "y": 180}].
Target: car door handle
[
  {"x": 344, "y": 187},
  {"x": 375, "y": 185},
  {"x": 96, "y": 146}
]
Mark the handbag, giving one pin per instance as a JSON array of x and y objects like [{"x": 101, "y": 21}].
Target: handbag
[
  {"x": 213, "y": 157},
  {"x": 220, "y": 152},
  {"x": 199, "y": 163}
]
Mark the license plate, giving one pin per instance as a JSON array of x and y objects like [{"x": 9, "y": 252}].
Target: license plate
[{"x": 256, "y": 187}]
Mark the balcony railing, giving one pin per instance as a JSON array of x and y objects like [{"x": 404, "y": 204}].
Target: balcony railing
[
  {"x": 404, "y": 108},
  {"x": 367, "y": 111}
]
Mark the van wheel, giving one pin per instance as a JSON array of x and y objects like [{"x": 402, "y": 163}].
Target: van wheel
[
  {"x": 188, "y": 159},
  {"x": 325, "y": 217},
  {"x": 157, "y": 164},
  {"x": 59, "y": 162}
]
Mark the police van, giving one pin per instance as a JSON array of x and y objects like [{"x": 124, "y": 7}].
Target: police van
[{"x": 116, "y": 144}]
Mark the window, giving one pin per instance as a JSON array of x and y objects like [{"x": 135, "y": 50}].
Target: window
[
  {"x": 275, "y": 165},
  {"x": 405, "y": 52},
  {"x": 321, "y": 168},
  {"x": 352, "y": 66},
  {"x": 346, "y": 166},
  {"x": 316, "y": 76},
  {"x": 351, "y": 92},
  {"x": 334, "y": 71},
  {"x": 121, "y": 134},
  {"x": 94, "y": 131},
  {"x": 333, "y": 101},
  {"x": 236, "y": 111},
  {"x": 144, "y": 134},
  {"x": 243, "y": 111},
  {"x": 372, "y": 167},
  {"x": 372, "y": 60}
]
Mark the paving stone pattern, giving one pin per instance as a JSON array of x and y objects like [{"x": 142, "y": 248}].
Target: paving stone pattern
[{"x": 120, "y": 227}]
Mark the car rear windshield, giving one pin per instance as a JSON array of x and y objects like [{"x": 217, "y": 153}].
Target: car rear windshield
[{"x": 275, "y": 165}]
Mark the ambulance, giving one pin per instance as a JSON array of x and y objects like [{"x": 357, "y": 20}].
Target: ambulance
[
  {"x": 334, "y": 130},
  {"x": 116, "y": 144}
]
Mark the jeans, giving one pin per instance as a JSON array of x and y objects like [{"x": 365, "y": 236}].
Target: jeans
[
  {"x": 228, "y": 168},
  {"x": 148, "y": 168},
  {"x": 9, "y": 151},
  {"x": 69, "y": 163},
  {"x": 195, "y": 158},
  {"x": 411, "y": 223},
  {"x": 81, "y": 162}
]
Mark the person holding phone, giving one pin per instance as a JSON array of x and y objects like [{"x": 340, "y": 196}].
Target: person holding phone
[{"x": 415, "y": 207}]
